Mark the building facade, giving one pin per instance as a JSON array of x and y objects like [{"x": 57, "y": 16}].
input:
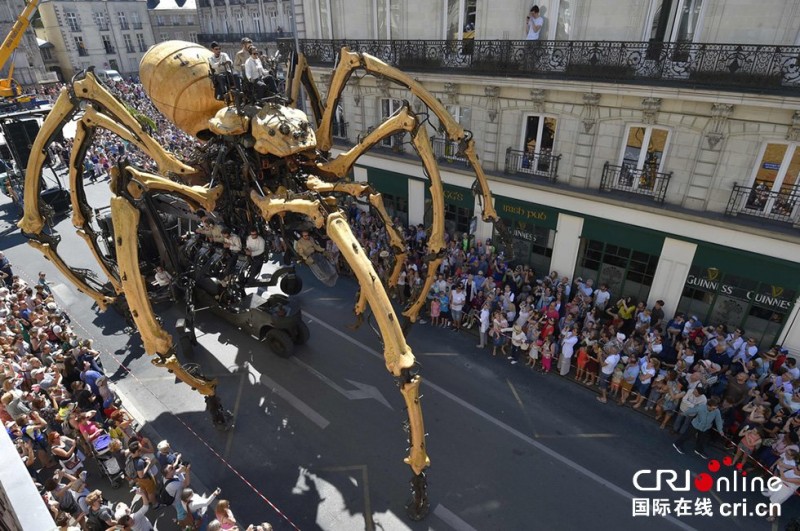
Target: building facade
[
  {"x": 264, "y": 21},
  {"x": 110, "y": 34},
  {"x": 660, "y": 160},
  {"x": 171, "y": 22},
  {"x": 29, "y": 68}
]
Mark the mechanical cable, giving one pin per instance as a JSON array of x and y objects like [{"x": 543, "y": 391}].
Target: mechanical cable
[{"x": 192, "y": 431}]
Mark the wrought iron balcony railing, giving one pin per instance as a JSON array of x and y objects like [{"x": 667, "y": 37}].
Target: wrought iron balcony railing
[
  {"x": 538, "y": 164},
  {"x": 761, "y": 201},
  {"x": 207, "y": 38},
  {"x": 448, "y": 151},
  {"x": 339, "y": 129},
  {"x": 737, "y": 67},
  {"x": 626, "y": 178}
]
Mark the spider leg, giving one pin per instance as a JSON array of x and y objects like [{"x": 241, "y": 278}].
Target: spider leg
[
  {"x": 402, "y": 121},
  {"x": 301, "y": 74},
  {"x": 157, "y": 342}
]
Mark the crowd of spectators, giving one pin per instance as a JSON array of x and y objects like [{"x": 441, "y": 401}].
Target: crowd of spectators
[
  {"x": 59, "y": 410},
  {"x": 675, "y": 368}
]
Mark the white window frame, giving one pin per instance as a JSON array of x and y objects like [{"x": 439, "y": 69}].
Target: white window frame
[
  {"x": 791, "y": 150},
  {"x": 135, "y": 18},
  {"x": 394, "y": 106},
  {"x": 462, "y": 8},
  {"x": 387, "y": 22},
  {"x": 123, "y": 20},
  {"x": 552, "y": 18},
  {"x": 126, "y": 37},
  {"x": 324, "y": 21},
  {"x": 648, "y": 133},
  {"x": 651, "y": 11},
  {"x": 239, "y": 22},
  {"x": 272, "y": 14},
  {"x": 539, "y": 130},
  {"x": 73, "y": 21}
]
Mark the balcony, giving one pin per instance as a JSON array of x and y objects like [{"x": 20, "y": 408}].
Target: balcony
[
  {"x": 625, "y": 178},
  {"x": 448, "y": 151},
  {"x": 730, "y": 67},
  {"x": 519, "y": 163},
  {"x": 103, "y": 27},
  {"x": 759, "y": 201},
  {"x": 207, "y": 38},
  {"x": 136, "y": 25}
]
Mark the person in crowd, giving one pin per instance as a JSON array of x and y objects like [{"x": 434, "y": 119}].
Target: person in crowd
[{"x": 705, "y": 416}]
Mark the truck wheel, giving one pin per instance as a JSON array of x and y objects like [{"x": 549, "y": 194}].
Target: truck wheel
[
  {"x": 280, "y": 342},
  {"x": 301, "y": 333}
]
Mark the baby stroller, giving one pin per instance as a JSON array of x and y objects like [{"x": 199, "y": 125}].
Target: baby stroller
[{"x": 109, "y": 464}]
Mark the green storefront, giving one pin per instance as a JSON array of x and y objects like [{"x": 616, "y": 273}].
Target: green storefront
[
  {"x": 740, "y": 289},
  {"x": 459, "y": 206},
  {"x": 624, "y": 257},
  {"x": 394, "y": 190},
  {"x": 533, "y": 231}
]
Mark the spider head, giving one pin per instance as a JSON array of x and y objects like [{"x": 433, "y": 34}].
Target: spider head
[{"x": 282, "y": 131}]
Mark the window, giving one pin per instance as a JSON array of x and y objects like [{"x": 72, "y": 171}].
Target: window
[
  {"x": 388, "y": 108},
  {"x": 137, "y": 24},
  {"x": 287, "y": 14},
  {"x": 459, "y": 19},
  {"x": 562, "y": 29},
  {"x": 109, "y": 48},
  {"x": 674, "y": 21},
  {"x": 538, "y": 139},
  {"x": 123, "y": 20},
  {"x": 257, "y": 26},
  {"x": 625, "y": 271},
  {"x": 160, "y": 20},
  {"x": 532, "y": 244},
  {"x": 72, "y": 21},
  {"x": 165, "y": 37},
  {"x": 80, "y": 46},
  {"x": 239, "y": 22},
  {"x": 642, "y": 156},
  {"x": 457, "y": 219},
  {"x": 142, "y": 45},
  {"x": 776, "y": 180},
  {"x": 396, "y": 205},
  {"x": 192, "y": 36},
  {"x": 386, "y": 18},
  {"x": 272, "y": 13},
  {"x": 100, "y": 20},
  {"x": 46, "y": 55},
  {"x": 128, "y": 43},
  {"x": 176, "y": 20},
  {"x": 339, "y": 126},
  {"x": 323, "y": 18},
  {"x": 189, "y": 20},
  {"x": 445, "y": 149}
]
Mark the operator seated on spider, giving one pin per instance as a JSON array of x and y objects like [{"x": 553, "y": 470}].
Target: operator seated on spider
[
  {"x": 259, "y": 78},
  {"x": 221, "y": 73}
]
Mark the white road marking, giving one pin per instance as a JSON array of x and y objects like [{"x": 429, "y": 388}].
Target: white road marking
[
  {"x": 452, "y": 519},
  {"x": 295, "y": 402},
  {"x": 505, "y": 427},
  {"x": 361, "y": 391},
  {"x": 438, "y": 354}
]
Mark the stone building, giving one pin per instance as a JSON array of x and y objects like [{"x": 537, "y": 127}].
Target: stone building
[
  {"x": 172, "y": 22},
  {"x": 264, "y": 21},
  {"x": 111, "y": 34},
  {"x": 653, "y": 145},
  {"x": 28, "y": 66}
]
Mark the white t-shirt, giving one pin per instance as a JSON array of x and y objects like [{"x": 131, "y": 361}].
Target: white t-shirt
[
  {"x": 457, "y": 300},
  {"x": 610, "y": 364},
  {"x": 532, "y": 34},
  {"x": 601, "y": 298}
]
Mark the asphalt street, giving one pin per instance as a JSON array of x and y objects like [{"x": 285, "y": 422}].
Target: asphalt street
[{"x": 319, "y": 439}]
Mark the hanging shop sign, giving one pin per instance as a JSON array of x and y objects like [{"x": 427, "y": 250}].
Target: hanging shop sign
[{"x": 773, "y": 298}]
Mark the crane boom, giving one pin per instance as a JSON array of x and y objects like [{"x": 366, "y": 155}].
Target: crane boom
[{"x": 10, "y": 44}]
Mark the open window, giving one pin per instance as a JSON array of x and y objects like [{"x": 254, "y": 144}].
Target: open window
[
  {"x": 673, "y": 21},
  {"x": 776, "y": 180},
  {"x": 459, "y": 19},
  {"x": 642, "y": 156}
]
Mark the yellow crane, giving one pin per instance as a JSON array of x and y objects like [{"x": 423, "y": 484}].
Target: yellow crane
[{"x": 8, "y": 87}]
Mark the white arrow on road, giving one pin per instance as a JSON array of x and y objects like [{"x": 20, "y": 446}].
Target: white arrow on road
[{"x": 362, "y": 391}]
